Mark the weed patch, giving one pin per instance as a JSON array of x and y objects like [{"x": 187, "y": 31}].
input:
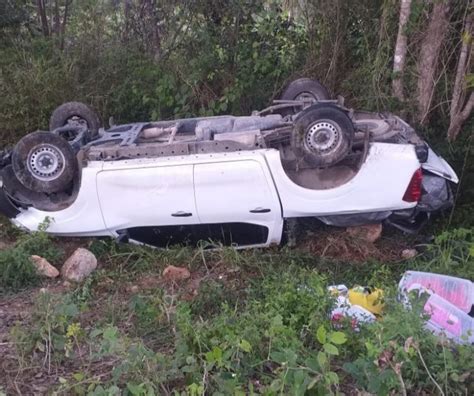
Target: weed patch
[
  {"x": 16, "y": 268},
  {"x": 245, "y": 322}
]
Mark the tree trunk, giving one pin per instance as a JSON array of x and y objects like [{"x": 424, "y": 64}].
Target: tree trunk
[
  {"x": 460, "y": 111},
  {"x": 43, "y": 18},
  {"x": 456, "y": 122},
  {"x": 431, "y": 45},
  {"x": 401, "y": 50},
  {"x": 64, "y": 22},
  {"x": 151, "y": 27},
  {"x": 56, "y": 26},
  {"x": 126, "y": 14}
]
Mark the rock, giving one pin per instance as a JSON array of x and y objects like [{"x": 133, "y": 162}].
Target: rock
[
  {"x": 80, "y": 265},
  {"x": 43, "y": 267},
  {"x": 409, "y": 254},
  {"x": 4, "y": 245},
  {"x": 173, "y": 273},
  {"x": 134, "y": 289},
  {"x": 369, "y": 232}
]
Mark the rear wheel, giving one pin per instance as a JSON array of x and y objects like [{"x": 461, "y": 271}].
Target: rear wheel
[
  {"x": 323, "y": 135},
  {"x": 75, "y": 114},
  {"x": 305, "y": 89},
  {"x": 44, "y": 162}
]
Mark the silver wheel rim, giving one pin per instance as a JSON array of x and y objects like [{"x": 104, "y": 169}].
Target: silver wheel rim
[
  {"x": 323, "y": 137},
  {"x": 46, "y": 162}
]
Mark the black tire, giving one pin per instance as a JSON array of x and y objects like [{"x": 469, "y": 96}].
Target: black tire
[
  {"x": 44, "y": 162},
  {"x": 305, "y": 88},
  {"x": 13, "y": 186},
  {"x": 323, "y": 135},
  {"x": 75, "y": 113}
]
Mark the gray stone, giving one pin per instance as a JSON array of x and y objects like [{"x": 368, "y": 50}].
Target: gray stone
[{"x": 80, "y": 265}]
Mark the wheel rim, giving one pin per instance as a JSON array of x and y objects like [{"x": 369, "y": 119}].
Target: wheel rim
[
  {"x": 306, "y": 96},
  {"x": 76, "y": 121},
  {"x": 46, "y": 162},
  {"x": 323, "y": 137}
]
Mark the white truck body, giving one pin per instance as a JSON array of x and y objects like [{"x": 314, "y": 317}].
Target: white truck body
[{"x": 235, "y": 188}]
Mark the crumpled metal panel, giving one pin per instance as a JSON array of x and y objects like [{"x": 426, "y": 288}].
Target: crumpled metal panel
[{"x": 436, "y": 193}]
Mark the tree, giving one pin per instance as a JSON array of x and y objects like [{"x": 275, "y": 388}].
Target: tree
[
  {"x": 428, "y": 60},
  {"x": 41, "y": 8},
  {"x": 401, "y": 50},
  {"x": 462, "y": 102}
]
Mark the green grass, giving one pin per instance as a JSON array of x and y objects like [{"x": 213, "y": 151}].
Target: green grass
[{"x": 257, "y": 324}]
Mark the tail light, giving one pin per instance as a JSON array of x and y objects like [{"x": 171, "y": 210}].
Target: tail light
[{"x": 413, "y": 192}]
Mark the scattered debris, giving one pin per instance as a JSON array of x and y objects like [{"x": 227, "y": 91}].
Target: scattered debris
[
  {"x": 80, "y": 265},
  {"x": 408, "y": 254},
  {"x": 369, "y": 232},
  {"x": 359, "y": 304},
  {"x": 369, "y": 298},
  {"x": 449, "y": 303},
  {"x": 43, "y": 267},
  {"x": 173, "y": 273}
]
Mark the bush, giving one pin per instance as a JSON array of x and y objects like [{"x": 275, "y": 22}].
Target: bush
[{"x": 16, "y": 268}]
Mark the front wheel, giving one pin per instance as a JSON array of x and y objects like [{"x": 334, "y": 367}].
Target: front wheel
[
  {"x": 75, "y": 114},
  {"x": 322, "y": 135},
  {"x": 44, "y": 162}
]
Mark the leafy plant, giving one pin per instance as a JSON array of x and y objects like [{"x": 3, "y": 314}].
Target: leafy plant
[
  {"x": 16, "y": 268},
  {"x": 452, "y": 252},
  {"x": 54, "y": 334}
]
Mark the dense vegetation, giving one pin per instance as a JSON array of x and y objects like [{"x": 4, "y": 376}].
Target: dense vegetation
[
  {"x": 252, "y": 322},
  {"x": 149, "y": 59}
]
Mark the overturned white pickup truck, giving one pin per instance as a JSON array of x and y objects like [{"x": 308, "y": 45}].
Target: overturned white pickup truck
[{"x": 231, "y": 180}]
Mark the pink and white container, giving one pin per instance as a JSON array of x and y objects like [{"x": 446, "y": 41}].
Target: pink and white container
[{"x": 449, "y": 304}]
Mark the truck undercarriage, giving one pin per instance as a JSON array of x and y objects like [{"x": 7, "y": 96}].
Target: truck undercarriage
[{"x": 322, "y": 145}]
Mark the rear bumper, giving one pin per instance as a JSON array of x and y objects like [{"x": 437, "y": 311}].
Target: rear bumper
[
  {"x": 411, "y": 221},
  {"x": 437, "y": 195}
]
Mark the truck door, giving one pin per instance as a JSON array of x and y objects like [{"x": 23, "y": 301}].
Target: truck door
[
  {"x": 238, "y": 202},
  {"x": 153, "y": 205}
]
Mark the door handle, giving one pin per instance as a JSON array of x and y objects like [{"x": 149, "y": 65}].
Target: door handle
[
  {"x": 260, "y": 210},
  {"x": 181, "y": 214}
]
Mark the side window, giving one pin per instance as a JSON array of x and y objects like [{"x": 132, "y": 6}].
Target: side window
[
  {"x": 239, "y": 234},
  {"x": 227, "y": 234},
  {"x": 162, "y": 236}
]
